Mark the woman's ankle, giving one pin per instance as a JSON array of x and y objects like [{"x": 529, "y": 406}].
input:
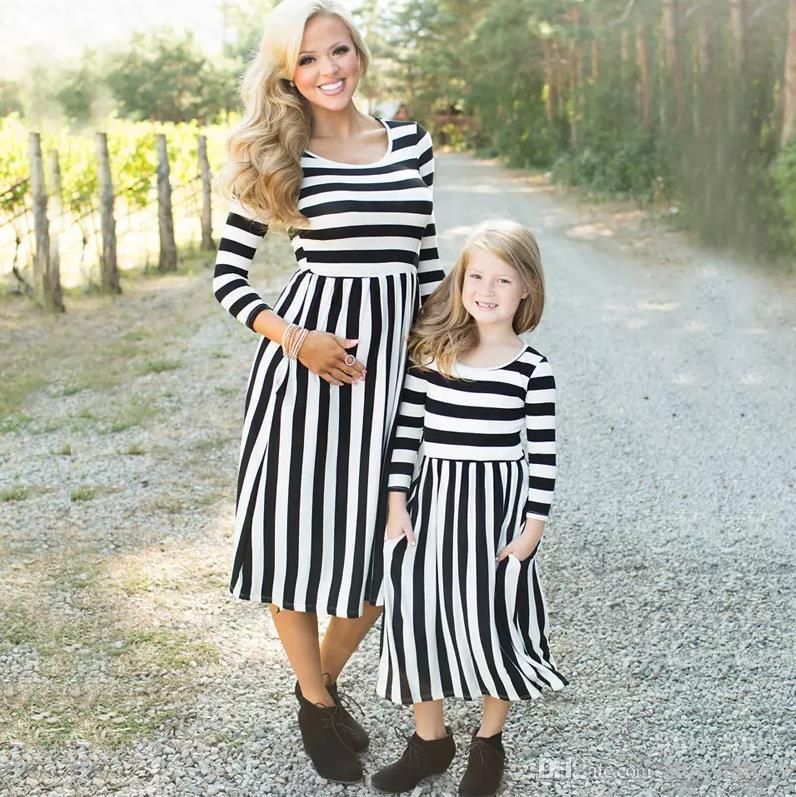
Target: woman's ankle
[
  {"x": 487, "y": 730},
  {"x": 317, "y": 694},
  {"x": 431, "y": 733}
]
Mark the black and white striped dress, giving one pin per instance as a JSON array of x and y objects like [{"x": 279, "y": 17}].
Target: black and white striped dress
[
  {"x": 476, "y": 455},
  {"x": 310, "y": 494}
]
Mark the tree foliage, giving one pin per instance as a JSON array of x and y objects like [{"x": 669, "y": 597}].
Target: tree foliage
[{"x": 678, "y": 100}]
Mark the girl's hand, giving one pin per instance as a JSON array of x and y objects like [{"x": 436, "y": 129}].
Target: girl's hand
[
  {"x": 523, "y": 545},
  {"x": 324, "y": 354},
  {"x": 398, "y": 521}
]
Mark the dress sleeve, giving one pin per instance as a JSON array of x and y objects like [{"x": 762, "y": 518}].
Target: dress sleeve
[
  {"x": 540, "y": 426},
  {"x": 408, "y": 431},
  {"x": 236, "y": 250},
  {"x": 430, "y": 271}
]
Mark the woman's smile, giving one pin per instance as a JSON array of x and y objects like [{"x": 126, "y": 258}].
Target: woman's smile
[{"x": 334, "y": 87}]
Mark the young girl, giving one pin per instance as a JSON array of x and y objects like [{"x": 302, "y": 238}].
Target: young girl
[{"x": 464, "y": 612}]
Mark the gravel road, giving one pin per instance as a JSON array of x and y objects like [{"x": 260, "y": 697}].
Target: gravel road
[{"x": 667, "y": 564}]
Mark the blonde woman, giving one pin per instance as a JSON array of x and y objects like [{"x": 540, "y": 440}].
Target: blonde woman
[
  {"x": 355, "y": 194},
  {"x": 464, "y": 612}
]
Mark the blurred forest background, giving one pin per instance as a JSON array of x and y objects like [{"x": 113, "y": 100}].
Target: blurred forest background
[{"x": 687, "y": 103}]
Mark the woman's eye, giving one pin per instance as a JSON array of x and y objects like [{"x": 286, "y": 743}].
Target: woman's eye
[
  {"x": 305, "y": 60},
  {"x": 342, "y": 49}
]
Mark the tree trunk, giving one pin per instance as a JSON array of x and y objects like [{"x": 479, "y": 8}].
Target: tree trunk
[
  {"x": 624, "y": 56},
  {"x": 644, "y": 79},
  {"x": 738, "y": 25},
  {"x": 168, "y": 246},
  {"x": 550, "y": 91},
  {"x": 560, "y": 81},
  {"x": 674, "y": 66},
  {"x": 789, "y": 117},
  {"x": 702, "y": 87},
  {"x": 574, "y": 83},
  {"x": 109, "y": 272}
]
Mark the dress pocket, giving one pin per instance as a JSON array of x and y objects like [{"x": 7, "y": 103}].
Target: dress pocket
[{"x": 391, "y": 542}]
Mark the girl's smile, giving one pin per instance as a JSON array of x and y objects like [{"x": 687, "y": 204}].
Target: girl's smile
[{"x": 492, "y": 289}]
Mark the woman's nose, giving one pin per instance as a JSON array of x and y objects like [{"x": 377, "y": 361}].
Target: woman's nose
[{"x": 329, "y": 67}]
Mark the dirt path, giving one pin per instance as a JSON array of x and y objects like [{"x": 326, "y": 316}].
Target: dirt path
[{"x": 126, "y": 669}]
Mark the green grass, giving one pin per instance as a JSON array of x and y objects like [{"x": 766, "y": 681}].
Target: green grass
[
  {"x": 83, "y": 493},
  {"x": 13, "y": 423},
  {"x": 159, "y": 366},
  {"x": 135, "y": 413},
  {"x": 171, "y": 505},
  {"x": 19, "y": 384},
  {"x": 158, "y": 647},
  {"x": 70, "y": 390},
  {"x": 134, "y": 450},
  {"x": 17, "y": 493},
  {"x": 209, "y": 443}
]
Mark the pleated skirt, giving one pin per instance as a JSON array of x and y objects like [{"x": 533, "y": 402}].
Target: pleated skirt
[
  {"x": 456, "y": 622},
  {"x": 310, "y": 491}
]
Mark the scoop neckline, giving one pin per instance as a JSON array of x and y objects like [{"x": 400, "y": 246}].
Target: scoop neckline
[
  {"x": 516, "y": 357},
  {"x": 364, "y": 165}
]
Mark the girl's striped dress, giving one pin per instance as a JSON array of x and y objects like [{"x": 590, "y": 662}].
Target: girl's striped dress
[
  {"x": 456, "y": 622},
  {"x": 310, "y": 493}
]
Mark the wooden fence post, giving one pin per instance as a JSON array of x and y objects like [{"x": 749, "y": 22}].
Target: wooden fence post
[
  {"x": 207, "y": 217},
  {"x": 168, "y": 246},
  {"x": 55, "y": 251},
  {"x": 41, "y": 225},
  {"x": 109, "y": 272}
]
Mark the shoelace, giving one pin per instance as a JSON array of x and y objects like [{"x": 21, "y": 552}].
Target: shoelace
[
  {"x": 411, "y": 750},
  {"x": 344, "y": 700},
  {"x": 332, "y": 719}
]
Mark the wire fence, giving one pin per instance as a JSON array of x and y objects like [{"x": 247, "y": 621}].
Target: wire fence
[{"x": 75, "y": 228}]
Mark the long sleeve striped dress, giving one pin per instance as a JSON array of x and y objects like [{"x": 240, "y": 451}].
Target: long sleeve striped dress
[
  {"x": 476, "y": 455},
  {"x": 310, "y": 492}
]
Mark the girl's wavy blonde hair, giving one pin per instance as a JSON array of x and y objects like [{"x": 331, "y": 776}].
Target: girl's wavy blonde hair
[
  {"x": 263, "y": 168},
  {"x": 445, "y": 331}
]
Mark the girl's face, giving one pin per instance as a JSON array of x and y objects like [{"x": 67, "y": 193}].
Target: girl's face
[
  {"x": 491, "y": 289},
  {"x": 327, "y": 71}
]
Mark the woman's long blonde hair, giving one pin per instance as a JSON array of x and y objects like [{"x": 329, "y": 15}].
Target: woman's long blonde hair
[
  {"x": 264, "y": 150},
  {"x": 445, "y": 331}
]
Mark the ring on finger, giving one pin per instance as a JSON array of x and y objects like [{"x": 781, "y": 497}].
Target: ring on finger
[{"x": 349, "y": 359}]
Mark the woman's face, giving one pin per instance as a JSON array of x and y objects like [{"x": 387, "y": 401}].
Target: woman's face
[
  {"x": 491, "y": 289},
  {"x": 327, "y": 70}
]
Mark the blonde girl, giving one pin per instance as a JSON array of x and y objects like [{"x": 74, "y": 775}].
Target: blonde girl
[
  {"x": 470, "y": 487},
  {"x": 355, "y": 194}
]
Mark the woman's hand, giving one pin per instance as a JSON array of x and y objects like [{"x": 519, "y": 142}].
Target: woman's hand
[
  {"x": 398, "y": 520},
  {"x": 324, "y": 354},
  {"x": 523, "y": 545}
]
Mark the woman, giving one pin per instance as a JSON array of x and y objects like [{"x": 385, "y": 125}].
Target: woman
[{"x": 355, "y": 195}]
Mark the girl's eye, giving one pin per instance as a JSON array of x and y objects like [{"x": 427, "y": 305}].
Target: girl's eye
[
  {"x": 305, "y": 60},
  {"x": 506, "y": 282},
  {"x": 475, "y": 276},
  {"x": 342, "y": 49}
]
